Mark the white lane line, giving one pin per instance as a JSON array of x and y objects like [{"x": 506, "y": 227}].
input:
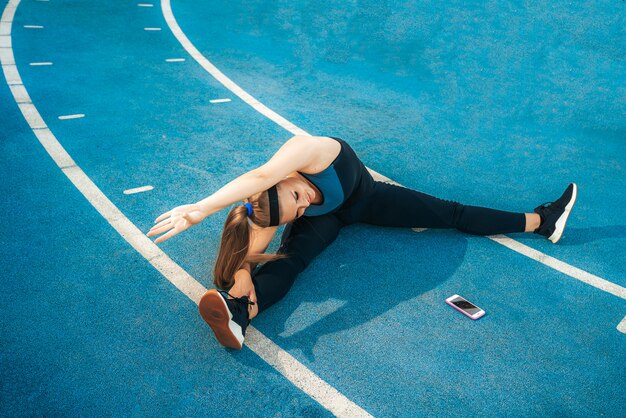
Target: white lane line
[
  {"x": 145, "y": 5},
  {"x": 175, "y": 60},
  {"x": 36, "y": 64},
  {"x": 5, "y": 41},
  {"x": 286, "y": 364},
  {"x": 32, "y": 116},
  {"x": 33, "y": 27},
  {"x": 219, "y": 100},
  {"x": 136, "y": 238},
  {"x": 151, "y": 28},
  {"x": 621, "y": 327},
  {"x": 19, "y": 93},
  {"x": 227, "y": 82},
  {"x": 561, "y": 266},
  {"x": 266, "y": 349},
  {"x": 6, "y": 56},
  {"x": 575, "y": 272},
  {"x": 138, "y": 189},
  {"x": 296, "y": 372},
  {"x": 54, "y": 148},
  {"x": 11, "y": 75},
  {"x": 76, "y": 116}
]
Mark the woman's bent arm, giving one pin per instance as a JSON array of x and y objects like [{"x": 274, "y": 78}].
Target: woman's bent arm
[{"x": 294, "y": 155}]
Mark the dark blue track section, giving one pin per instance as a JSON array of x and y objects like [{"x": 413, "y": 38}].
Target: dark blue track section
[{"x": 494, "y": 104}]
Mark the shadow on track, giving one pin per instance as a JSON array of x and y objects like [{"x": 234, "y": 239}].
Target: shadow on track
[{"x": 365, "y": 273}]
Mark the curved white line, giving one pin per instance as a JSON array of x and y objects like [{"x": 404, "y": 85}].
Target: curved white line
[
  {"x": 510, "y": 243},
  {"x": 282, "y": 361}
]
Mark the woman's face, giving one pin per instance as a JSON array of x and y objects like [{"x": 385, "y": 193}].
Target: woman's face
[{"x": 294, "y": 196}]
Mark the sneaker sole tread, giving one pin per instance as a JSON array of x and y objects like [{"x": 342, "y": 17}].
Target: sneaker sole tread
[{"x": 214, "y": 311}]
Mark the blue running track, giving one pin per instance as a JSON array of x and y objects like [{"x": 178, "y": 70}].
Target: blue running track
[{"x": 497, "y": 104}]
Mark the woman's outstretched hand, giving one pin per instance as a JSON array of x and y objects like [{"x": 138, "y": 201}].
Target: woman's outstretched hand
[{"x": 176, "y": 220}]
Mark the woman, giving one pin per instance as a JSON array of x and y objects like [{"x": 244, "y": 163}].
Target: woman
[{"x": 317, "y": 185}]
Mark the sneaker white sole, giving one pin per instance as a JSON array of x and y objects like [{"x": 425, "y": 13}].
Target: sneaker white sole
[
  {"x": 215, "y": 312},
  {"x": 562, "y": 221}
]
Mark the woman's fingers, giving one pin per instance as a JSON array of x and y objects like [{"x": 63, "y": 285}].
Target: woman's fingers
[
  {"x": 160, "y": 230},
  {"x": 160, "y": 224},
  {"x": 165, "y": 215},
  {"x": 166, "y": 236},
  {"x": 174, "y": 221}
]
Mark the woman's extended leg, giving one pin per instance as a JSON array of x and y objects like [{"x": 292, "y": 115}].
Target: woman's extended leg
[
  {"x": 302, "y": 240},
  {"x": 391, "y": 205}
]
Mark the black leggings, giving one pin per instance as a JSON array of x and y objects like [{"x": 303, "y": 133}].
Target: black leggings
[{"x": 378, "y": 203}]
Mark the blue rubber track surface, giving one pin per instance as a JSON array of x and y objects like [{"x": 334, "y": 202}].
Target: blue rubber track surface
[{"x": 497, "y": 104}]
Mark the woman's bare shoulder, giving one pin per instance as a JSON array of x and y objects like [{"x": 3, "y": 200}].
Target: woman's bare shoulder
[
  {"x": 317, "y": 142},
  {"x": 326, "y": 150}
]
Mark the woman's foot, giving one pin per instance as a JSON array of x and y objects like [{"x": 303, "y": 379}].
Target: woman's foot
[
  {"x": 554, "y": 214},
  {"x": 228, "y": 318}
]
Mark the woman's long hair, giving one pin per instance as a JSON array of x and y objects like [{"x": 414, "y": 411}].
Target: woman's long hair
[{"x": 233, "y": 252}]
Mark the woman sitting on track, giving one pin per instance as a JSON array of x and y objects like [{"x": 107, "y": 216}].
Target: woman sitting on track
[{"x": 317, "y": 185}]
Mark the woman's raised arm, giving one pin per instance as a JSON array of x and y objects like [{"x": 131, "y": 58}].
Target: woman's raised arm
[{"x": 295, "y": 154}]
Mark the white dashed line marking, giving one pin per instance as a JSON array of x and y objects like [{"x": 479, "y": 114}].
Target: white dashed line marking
[
  {"x": 219, "y": 100},
  {"x": 39, "y": 64},
  {"x": 76, "y": 116},
  {"x": 33, "y": 27},
  {"x": 175, "y": 60},
  {"x": 151, "y": 28},
  {"x": 138, "y": 190},
  {"x": 621, "y": 327},
  {"x": 145, "y": 5}
]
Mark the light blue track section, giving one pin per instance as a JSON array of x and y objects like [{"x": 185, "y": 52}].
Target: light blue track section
[{"x": 498, "y": 105}]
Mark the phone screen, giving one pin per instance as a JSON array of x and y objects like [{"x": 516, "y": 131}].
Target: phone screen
[{"x": 468, "y": 307}]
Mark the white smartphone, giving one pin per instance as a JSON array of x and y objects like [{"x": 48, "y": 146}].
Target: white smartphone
[{"x": 465, "y": 307}]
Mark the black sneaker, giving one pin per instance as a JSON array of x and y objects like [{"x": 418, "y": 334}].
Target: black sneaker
[
  {"x": 228, "y": 318},
  {"x": 554, "y": 214}
]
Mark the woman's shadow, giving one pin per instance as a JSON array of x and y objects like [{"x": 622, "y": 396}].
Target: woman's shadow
[{"x": 366, "y": 272}]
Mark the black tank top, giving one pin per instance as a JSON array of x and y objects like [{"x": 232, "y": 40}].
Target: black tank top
[{"x": 337, "y": 181}]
